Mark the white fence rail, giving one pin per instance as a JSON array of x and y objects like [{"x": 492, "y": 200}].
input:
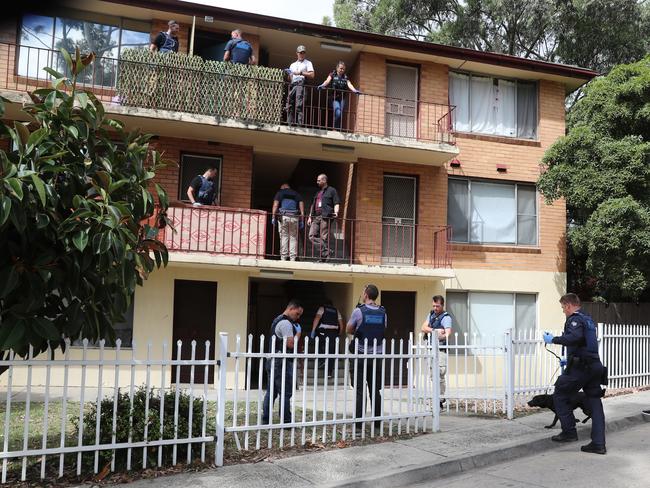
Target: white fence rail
[{"x": 83, "y": 412}]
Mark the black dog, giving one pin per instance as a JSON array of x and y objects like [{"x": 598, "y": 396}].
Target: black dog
[{"x": 546, "y": 401}]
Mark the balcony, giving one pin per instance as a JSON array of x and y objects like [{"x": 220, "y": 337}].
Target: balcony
[
  {"x": 246, "y": 237},
  {"x": 370, "y": 126}
]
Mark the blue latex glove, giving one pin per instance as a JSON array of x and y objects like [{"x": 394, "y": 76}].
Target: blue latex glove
[
  {"x": 301, "y": 225},
  {"x": 298, "y": 329},
  {"x": 312, "y": 334},
  {"x": 273, "y": 221},
  {"x": 548, "y": 338},
  {"x": 562, "y": 362}
]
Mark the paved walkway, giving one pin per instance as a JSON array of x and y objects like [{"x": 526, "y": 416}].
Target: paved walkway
[{"x": 464, "y": 443}]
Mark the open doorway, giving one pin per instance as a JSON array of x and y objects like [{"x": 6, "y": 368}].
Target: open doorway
[
  {"x": 210, "y": 45},
  {"x": 268, "y": 298}
]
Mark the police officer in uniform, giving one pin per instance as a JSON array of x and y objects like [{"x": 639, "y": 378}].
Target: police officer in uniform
[
  {"x": 368, "y": 321},
  {"x": 341, "y": 85},
  {"x": 438, "y": 323},
  {"x": 284, "y": 326},
  {"x": 328, "y": 323},
  {"x": 584, "y": 371},
  {"x": 203, "y": 188}
]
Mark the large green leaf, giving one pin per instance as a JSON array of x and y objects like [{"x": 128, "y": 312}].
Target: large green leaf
[
  {"x": 45, "y": 329},
  {"x": 15, "y": 186},
  {"x": 80, "y": 239},
  {"x": 5, "y": 209},
  {"x": 40, "y": 188}
]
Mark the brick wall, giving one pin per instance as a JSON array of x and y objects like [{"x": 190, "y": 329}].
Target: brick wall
[
  {"x": 236, "y": 168},
  {"x": 479, "y": 156}
]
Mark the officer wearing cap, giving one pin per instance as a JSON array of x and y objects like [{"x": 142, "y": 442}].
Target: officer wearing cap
[
  {"x": 584, "y": 371},
  {"x": 298, "y": 72}
]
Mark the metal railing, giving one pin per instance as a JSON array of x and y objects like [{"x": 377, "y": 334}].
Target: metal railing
[
  {"x": 250, "y": 233},
  {"x": 21, "y": 69}
]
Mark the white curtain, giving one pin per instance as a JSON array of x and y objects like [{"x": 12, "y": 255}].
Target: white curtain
[
  {"x": 526, "y": 110},
  {"x": 482, "y": 105},
  {"x": 505, "y": 108},
  {"x": 493, "y": 213},
  {"x": 490, "y": 315},
  {"x": 459, "y": 96},
  {"x": 525, "y": 313}
]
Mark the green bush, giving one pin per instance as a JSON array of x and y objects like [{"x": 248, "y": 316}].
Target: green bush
[
  {"x": 178, "y": 82},
  {"x": 134, "y": 427}
]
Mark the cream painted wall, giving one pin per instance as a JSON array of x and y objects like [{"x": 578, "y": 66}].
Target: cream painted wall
[{"x": 549, "y": 286}]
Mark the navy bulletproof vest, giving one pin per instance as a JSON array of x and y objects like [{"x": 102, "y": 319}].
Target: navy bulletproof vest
[
  {"x": 330, "y": 316},
  {"x": 436, "y": 323},
  {"x": 339, "y": 83},
  {"x": 280, "y": 340},
  {"x": 170, "y": 44},
  {"x": 206, "y": 191},
  {"x": 590, "y": 347},
  {"x": 373, "y": 325}
]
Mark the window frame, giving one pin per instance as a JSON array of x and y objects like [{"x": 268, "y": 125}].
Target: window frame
[
  {"x": 182, "y": 195},
  {"x": 516, "y": 184},
  {"x": 470, "y": 74}
]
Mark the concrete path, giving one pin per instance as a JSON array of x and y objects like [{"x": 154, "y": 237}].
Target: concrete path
[{"x": 464, "y": 443}]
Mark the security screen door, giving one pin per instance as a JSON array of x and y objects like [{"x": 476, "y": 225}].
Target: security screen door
[
  {"x": 401, "y": 105},
  {"x": 398, "y": 220}
]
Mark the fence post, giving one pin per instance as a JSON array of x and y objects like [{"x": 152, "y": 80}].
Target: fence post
[
  {"x": 221, "y": 398},
  {"x": 435, "y": 376},
  {"x": 601, "y": 341},
  {"x": 509, "y": 351}
]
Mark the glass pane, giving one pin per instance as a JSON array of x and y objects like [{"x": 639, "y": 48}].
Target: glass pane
[
  {"x": 459, "y": 97},
  {"x": 526, "y": 230},
  {"x": 525, "y": 313},
  {"x": 526, "y": 199},
  {"x": 527, "y": 215},
  {"x": 493, "y": 213},
  {"x": 36, "y": 37},
  {"x": 505, "y": 108},
  {"x": 526, "y": 110},
  {"x": 482, "y": 100},
  {"x": 457, "y": 307},
  {"x": 457, "y": 209},
  {"x": 134, "y": 39},
  {"x": 490, "y": 315}
]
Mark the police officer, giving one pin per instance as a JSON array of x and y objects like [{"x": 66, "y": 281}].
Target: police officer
[
  {"x": 341, "y": 85},
  {"x": 584, "y": 370},
  {"x": 328, "y": 323},
  {"x": 284, "y": 326},
  {"x": 203, "y": 188},
  {"x": 368, "y": 322},
  {"x": 438, "y": 323}
]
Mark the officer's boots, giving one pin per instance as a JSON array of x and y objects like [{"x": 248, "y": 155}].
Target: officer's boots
[{"x": 565, "y": 437}]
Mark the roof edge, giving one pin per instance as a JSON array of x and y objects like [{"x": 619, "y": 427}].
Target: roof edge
[{"x": 336, "y": 33}]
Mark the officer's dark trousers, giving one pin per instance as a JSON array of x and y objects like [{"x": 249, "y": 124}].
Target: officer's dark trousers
[
  {"x": 275, "y": 376},
  {"x": 295, "y": 103},
  {"x": 323, "y": 334},
  {"x": 567, "y": 385},
  {"x": 365, "y": 383}
]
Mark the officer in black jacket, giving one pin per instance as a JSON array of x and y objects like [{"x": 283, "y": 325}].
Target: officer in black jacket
[{"x": 584, "y": 371}]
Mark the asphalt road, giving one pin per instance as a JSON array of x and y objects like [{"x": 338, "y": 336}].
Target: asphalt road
[{"x": 626, "y": 465}]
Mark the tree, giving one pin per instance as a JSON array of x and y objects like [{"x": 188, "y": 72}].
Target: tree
[
  {"x": 75, "y": 218},
  {"x": 596, "y": 34},
  {"x": 602, "y": 169}
]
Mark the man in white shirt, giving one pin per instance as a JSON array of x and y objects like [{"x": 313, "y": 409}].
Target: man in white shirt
[{"x": 298, "y": 72}]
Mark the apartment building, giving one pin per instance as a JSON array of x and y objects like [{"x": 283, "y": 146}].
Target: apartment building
[{"x": 435, "y": 163}]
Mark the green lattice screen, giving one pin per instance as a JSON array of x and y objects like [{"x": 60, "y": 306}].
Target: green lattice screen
[{"x": 184, "y": 83}]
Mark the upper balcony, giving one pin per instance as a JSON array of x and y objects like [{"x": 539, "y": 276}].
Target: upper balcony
[{"x": 215, "y": 100}]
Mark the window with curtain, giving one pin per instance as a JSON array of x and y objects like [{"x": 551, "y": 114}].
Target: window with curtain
[
  {"x": 485, "y": 316},
  {"x": 483, "y": 212},
  {"x": 41, "y": 38},
  {"x": 496, "y": 106}
]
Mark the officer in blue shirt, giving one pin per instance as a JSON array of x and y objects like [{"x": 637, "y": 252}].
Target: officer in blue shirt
[
  {"x": 238, "y": 50},
  {"x": 368, "y": 321},
  {"x": 584, "y": 371}
]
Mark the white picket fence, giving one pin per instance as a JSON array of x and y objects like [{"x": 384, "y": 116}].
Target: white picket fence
[{"x": 85, "y": 413}]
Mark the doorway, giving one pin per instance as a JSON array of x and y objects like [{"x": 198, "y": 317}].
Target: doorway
[
  {"x": 400, "y": 308},
  {"x": 210, "y": 45},
  {"x": 195, "y": 316},
  {"x": 401, "y": 101},
  {"x": 398, "y": 220}
]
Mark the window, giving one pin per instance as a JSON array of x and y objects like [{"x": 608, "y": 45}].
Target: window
[
  {"x": 487, "y": 212},
  {"x": 493, "y": 106},
  {"x": 41, "y": 37},
  {"x": 486, "y": 316},
  {"x": 193, "y": 165}
]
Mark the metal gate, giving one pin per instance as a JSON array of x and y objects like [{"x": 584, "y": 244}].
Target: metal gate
[
  {"x": 401, "y": 105},
  {"x": 398, "y": 220}
]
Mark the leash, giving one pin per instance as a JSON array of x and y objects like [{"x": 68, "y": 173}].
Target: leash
[{"x": 556, "y": 369}]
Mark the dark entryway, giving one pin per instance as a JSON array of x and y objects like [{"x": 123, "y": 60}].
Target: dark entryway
[
  {"x": 195, "y": 314},
  {"x": 210, "y": 45},
  {"x": 400, "y": 308}
]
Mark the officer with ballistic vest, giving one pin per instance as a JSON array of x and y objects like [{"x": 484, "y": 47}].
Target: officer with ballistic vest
[
  {"x": 328, "y": 324},
  {"x": 438, "y": 325},
  {"x": 583, "y": 371},
  {"x": 368, "y": 323},
  {"x": 203, "y": 188},
  {"x": 342, "y": 86},
  {"x": 284, "y": 327}
]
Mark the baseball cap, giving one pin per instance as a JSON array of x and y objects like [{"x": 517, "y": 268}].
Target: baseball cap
[{"x": 301, "y": 49}]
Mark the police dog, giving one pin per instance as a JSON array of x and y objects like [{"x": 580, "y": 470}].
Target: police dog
[{"x": 546, "y": 401}]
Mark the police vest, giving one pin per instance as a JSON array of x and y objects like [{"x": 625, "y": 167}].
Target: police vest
[
  {"x": 280, "y": 340},
  {"x": 206, "y": 191},
  {"x": 590, "y": 347},
  {"x": 170, "y": 44},
  {"x": 339, "y": 83},
  {"x": 436, "y": 323},
  {"x": 241, "y": 52},
  {"x": 330, "y": 316},
  {"x": 373, "y": 325},
  {"x": 289, "y": 205}
]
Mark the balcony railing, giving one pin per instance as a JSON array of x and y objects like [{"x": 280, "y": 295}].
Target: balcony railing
[
  {"x": 247, "y": 99},
  {"x": 250, "y": 233}
]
